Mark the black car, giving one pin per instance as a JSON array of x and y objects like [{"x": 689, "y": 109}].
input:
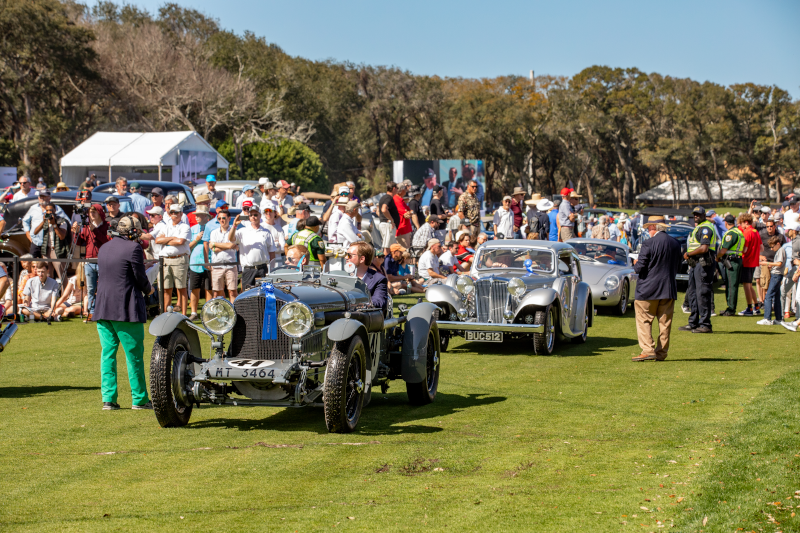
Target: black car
[
  {"x": 15, "y": 211},
  {"x": 147, "y": 187},
  {"x": 679, "y": 232}
]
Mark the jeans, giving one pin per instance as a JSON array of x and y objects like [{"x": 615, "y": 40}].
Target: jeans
[
  {"x": 91, "y": 283},
  {"x": 772, "y": 300}
]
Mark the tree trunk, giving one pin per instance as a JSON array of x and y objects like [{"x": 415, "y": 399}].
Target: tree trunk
[
  {"x": 716, "y": 173},
  {"x": 627, "y": 185}
]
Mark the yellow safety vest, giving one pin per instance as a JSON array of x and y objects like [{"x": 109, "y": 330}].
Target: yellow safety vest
[
  {"x": 738, "y": 249},
  {"x": 694, "y": 244},
  {"x": 307, "y": 236}
]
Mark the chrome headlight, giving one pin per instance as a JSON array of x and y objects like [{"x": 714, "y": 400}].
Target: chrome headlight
[
  {"x": 219, "y": 316},
  {"x": 516, "y": 287},
  {"x": 295, "y": 319},
  {"x": 465, "y": 285},
  {"x": 612, "y": 282}
]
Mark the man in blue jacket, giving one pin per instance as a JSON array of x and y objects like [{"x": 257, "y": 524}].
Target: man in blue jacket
[
  {"x": 120, "y": 312},
  {"x": 656, "y": 290},
  {"x": 360, "y": 256}
]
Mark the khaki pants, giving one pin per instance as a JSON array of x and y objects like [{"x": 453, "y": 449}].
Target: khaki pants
[
  {"x": 566, "y": 233},
  {"x": 646, "y": 312}
]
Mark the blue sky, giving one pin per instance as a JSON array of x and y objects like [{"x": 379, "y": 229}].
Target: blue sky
[{"x": 725, "y": 42}]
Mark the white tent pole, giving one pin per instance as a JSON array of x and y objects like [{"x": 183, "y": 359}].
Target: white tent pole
[
  {"x": 159, "y": 170},
  {"x": 109, "y": 171}
]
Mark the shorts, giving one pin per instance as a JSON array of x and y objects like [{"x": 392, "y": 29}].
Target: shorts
[
  {"x": 764, "y": 276},
  {"x": 566, "y": 233},
  {"x": 746, "y": 275},
  {"x": 404, "y": 240},
  {"x": 387, "y": 234},
  {"x": 222, "y": 278},
  {"x": 199, "y": 280},
  {"x": 175, "y": 272}
]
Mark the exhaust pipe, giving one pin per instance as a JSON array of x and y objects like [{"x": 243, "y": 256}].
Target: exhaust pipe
[{"x": 9, "y": 332}]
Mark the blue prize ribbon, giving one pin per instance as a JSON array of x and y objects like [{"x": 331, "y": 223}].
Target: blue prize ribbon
[{"x": 269, "y": 331}]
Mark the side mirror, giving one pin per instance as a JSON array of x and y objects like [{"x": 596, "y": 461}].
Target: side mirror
[{"x": 403, "y": 308}]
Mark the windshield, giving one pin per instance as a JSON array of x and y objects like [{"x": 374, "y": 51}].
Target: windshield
[
  {"x": 490, "y": 258},
  {"x": 603, "y": 253}
]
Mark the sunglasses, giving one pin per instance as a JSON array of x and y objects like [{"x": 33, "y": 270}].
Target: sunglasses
[
  {"x": 350, "y": 256},
  {"x": 255, "y": 215}
]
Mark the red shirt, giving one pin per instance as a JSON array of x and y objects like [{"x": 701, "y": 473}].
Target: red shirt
[
  {"x": 517, "y": 210},
  {"x": 752, "y": 244},
  {"x": 405, "y": 223}
]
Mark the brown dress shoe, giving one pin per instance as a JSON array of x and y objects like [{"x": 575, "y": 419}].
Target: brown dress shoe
[{"x": 643, "y": 357}]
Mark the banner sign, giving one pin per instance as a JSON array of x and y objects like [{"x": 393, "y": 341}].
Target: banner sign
[
  {"x": 452, "y": 174},
  {"x": 8, "y": 175},
  {"x": 194, "y": 165}
]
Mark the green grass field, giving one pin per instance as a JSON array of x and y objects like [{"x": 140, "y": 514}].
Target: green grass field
[{"x": 583, "y": 441}]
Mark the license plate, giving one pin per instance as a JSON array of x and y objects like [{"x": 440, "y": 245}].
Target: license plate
[{"x": 484, "y": 336}]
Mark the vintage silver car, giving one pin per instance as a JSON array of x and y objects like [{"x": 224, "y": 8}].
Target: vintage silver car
[
  {"x": 326, "y": 345},
  {"x": 608, "y": 269},
  {"x": 516, "y": 289}
]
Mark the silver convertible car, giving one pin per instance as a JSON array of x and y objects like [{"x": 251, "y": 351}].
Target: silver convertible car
[
  {"x": 516, "y": 289},
  {"x": 608, "y": 269}
]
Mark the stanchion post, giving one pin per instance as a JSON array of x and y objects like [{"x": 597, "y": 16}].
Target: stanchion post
[
  {"x": 15, "y": 285},
  {"x": 160, "y": 285}
]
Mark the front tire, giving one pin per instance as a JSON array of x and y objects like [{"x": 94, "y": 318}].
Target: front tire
[
  {"x": 424, "y": 392},
  {"x": 580, "y": 339},
  {"x": 343, "y": 392},
  {"x": 168, "y": 373},
  {"x": 543, "y": 343},
  {"x": 622, "y": 306}
]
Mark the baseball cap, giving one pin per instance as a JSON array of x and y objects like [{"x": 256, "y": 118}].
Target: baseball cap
[
  {"x": 437, "y": 188},
  {"x": 248, "y": 188},
  {"x": 268, "y": 205},
  {"x": 396, "y": 247},
  {"x": 202, "y": 210},
  {"x": 283, "y": 184},
  {"x": 711, "y": 212},
  {"x": 433, "y": 218},
  {"x": 765, "y": 209},
  {"x": 210, "y": 177},
  {"x": 352, "y": 204},
  {"x": 699, "y": 210},
  {"x": 792, "y": 225},
  {"x": 44, "y": 192},
  {"x": 344, "y": 190},
  {"x": 267, "y": 185},
  {"x": 302, "y": 207},
  {"x": 112, "y": 199},
  {"x": 220, "y": 204},
  {"x": 785, "y": 204},
  {"x": 730, "y": 219},
  {"x": 134, "y": 185},
  {"x": 565, "y": 191},
  {"x": 507, "y": 197},
  {"x": 433, "y": 242},
  {"x": 174, "y": 208},
  {"x": 312, "y": 222},
  {"x": 263, "y": 181},
  {"x": 128, "y": 223},
  {"x": 157, "y": 190},
  {"x": 247, "y": 205},
  {"x": 155, "y": 211}
]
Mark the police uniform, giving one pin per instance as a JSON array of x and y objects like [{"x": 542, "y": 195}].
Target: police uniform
[
  {"x": 733, "y": 242},
  {"x": 699, "y": 294},
  {"x": 312, "y": 241}
]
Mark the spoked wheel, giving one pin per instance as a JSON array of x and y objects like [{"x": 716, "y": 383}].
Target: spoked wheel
[
  {"x": 424, "y": 392},
  {"x": 171, "y": 380},
  {"x": 580, "y": 339},
  {"x": 544, "y": 342},
  {"x": 343, "y": 392},
  {"x": 622, "y": 306}
]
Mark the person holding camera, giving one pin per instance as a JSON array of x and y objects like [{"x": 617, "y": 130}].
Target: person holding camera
[
  {"x": 33, "y": 219},
  {"x": 55, "y": 243},
  {"x": 92, "y": 235},
  {"x": 120, "y": 313}
]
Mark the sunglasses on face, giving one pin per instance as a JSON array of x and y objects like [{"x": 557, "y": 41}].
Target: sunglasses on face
[
  {"x": 351, "y": 256},
  {"x": 255, "y": 215}
]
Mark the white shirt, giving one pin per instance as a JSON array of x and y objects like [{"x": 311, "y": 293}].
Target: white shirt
[
  {"x": 346, "y": 231},
  {"x": 278, "y": 239},
  {"x": 448, "y": 259},
  {"x": 77, "y": 292},
  {"x": 182, "y": 231},
  {"x": 222, "y": 256},
  {"x": 157, "y": 231},
  {"x": 504, "y": 220},
  {"x": 333, "y": 222},
  {"x": 790, "y": 216},
  {"x": 286, "y": 203},
  {"x": 428, "y": 260},
  {"x": 19, "y": 195},
  {"x": 241, "y": 198},
  {"x": 254, "y": 245}
]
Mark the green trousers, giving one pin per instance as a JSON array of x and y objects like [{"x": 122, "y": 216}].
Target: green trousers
[
  {"x": 732, "y": 285},
  {"x": 131, "y": 336}
]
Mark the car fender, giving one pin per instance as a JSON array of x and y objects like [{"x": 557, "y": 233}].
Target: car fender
[
  {"x": 537, "y": 298},
  {"x": 442, "y": 294},
  {"x": 415, "y": 341},
  {"x": 344, "y": 329},
  {"x": 166, "y": 323},
  {"x": 584, "y": 295}
]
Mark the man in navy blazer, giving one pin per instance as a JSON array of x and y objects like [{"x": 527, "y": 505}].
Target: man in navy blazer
[
  {"x": 360, "y": 255},
  {"x": 120, "y": 312},
  {"x": 656, "y": 290}
]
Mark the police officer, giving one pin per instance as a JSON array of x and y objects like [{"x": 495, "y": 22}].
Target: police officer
[
  {"x": 701, "y": 254},
  {"x": 120, "y": 312},
  {"x": 730, "y": 258},
  {"x": 309, "y": 238}
]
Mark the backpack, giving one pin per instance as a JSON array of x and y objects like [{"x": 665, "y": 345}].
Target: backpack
[{"x": 533, "y": 224}]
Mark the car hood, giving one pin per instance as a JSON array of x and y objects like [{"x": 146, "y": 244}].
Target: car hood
[
  {"x": 532, "y": 281},
  {"x": 593, "y": 273}
]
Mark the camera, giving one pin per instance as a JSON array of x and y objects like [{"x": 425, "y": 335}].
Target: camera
[{"x": 83, "y": 210}]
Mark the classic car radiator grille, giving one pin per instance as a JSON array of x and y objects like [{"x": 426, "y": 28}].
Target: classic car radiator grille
[
  {"x": 246, "y": 335},
  {"x": 490, "y": 299}
]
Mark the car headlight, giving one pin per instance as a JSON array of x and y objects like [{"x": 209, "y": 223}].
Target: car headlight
[
  {"x": 295, "y": 319},
  {"x": 219, "y": 316},
  {"x": 612, "y": 282},
  {"x": 516, "y": 287},
  {"x": 465, "y": 285}
]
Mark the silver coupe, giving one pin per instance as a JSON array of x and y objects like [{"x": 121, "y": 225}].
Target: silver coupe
[{"x": 608, "y": 269}]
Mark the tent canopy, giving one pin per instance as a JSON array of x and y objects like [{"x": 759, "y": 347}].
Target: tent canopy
[
  {"x": 731, "y": 190},
  {"x": 106, "y": 151}
]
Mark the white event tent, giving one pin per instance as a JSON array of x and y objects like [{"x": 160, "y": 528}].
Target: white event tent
[{"x": 174, "y": 155}]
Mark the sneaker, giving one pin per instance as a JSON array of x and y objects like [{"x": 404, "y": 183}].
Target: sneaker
[
  {"x": 757, "y": 311},
  {"x": 401, "y": 292},
  {"x": 702, "y": 329},
  {"x": 148, "y": 405},
  {"x": 58, "y": 318},
  {"x": 764, "y": 322},
  {"x": 193, "y": 317},
  {"x": 685, "y": 328},
  {"x": 791, "y": 326},
  {"x": 686, "y": 310},
  {"x": 110, "y": 406},
  {"x": 727, "y": 313},
  {"x": 713, "y": 313},
  {"x": 746, "y": 312}
]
